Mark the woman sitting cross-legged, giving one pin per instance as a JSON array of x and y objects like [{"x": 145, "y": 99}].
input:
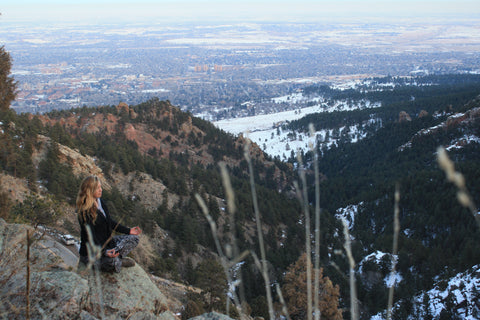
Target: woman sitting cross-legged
[{"x": 93, "y": 212}]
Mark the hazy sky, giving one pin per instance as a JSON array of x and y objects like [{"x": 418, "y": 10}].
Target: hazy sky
[{"x": 228, "y": 10}]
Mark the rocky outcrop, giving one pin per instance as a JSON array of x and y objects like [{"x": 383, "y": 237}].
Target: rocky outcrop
[
  {"x": 212, "y": 316},
  {"x": 125, "y": 108},
  {"x": 52, "y": 289},
  {"x": 423, "y": 114},
  {"x": 58, "y": 291},
  {"x": 144, "y": 140},
  {"x": 459, "y": 118},
  {"x": 57, "y": 294},
  {"x": 127, "y": 293},
  {"x": 454, "y": 121},
  {"x": 147, "y": 191},
  {"x": 16, "y": 189},
  {"x": 404, "y": 116},
  {"x": 81, "y": 164}
]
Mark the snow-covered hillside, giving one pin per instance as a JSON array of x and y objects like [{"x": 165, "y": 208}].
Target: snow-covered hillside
[
  {"x": 456, "y": 298},
  {"x": 266, "y": 130}
]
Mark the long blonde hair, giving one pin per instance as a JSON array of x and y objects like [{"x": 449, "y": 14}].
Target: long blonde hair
[{"x": 86, "y": 202}]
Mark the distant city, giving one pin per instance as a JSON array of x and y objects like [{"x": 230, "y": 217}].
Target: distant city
[{"x": 221, "y": 71}]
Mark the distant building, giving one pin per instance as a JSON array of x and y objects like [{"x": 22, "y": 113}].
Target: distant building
[{"x": 201, "y": 68}]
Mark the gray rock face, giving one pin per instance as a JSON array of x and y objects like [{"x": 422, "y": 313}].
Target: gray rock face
[
  {"x": 126, "y": 293},
  {"x": 57, "y": 291},
  {"x": 60, "y": 294},
  {"x": 212, "y": 316}
]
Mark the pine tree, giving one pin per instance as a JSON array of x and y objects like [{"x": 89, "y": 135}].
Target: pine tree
[
  {"x": 7, "y": 83},
  {"x": 295, "y": 293},
  {"x": 210, "y": 277}
]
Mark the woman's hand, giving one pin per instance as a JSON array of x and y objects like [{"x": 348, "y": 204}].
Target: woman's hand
[
  {"x": 135, "y": 231},
  {"x": 111, "y": 253}
]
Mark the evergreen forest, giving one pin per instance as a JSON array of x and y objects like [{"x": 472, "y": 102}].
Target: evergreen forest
[{"x": 439, "y": 236}]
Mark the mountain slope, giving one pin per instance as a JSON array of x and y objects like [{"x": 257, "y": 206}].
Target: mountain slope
[
  {"x": 438, "y": 236},
  {"x": 152, "y": 159}
]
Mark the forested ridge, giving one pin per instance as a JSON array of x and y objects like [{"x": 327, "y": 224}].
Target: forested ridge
[
  {"x": 439, "y": 237},
  {"x": 411, "y": 95}
]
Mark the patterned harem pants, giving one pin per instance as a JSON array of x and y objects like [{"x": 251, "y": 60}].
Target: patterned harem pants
[{"x": 122, "y": 244}]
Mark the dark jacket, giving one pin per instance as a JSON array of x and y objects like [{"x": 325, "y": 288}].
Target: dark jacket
[{"x": 102, "y": 230}]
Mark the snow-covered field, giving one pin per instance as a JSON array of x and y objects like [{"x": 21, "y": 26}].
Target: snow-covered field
[{"x": 266, "y": 131}]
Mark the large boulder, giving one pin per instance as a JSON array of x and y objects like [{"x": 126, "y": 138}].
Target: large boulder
[
  {"x": 126, "y": 293},
  {"x": 211, "y": 316},
  {"x": 57, "y": 291},
  {"x": 57, "y": 294},
  {"x": 53, "y": 292}
]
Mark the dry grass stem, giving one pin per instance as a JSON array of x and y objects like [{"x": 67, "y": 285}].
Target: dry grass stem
[
  {"x": 231, "y": 210},
  {"x": 282, "y": 301},
  {"x": 303, "y": 198},
  {"x": 351, "y": 262},
  {"x": 260, "y": 233},
  {"x": 258, "y": 264},
  {"x": 228, "y": 189},
  {"x": 94, "y": 253},
  {"x": 226, "y": 263},
  {"x": 396, "y": 231},
  {"x": 316, "y": 286},
  {"x": 458, "y": 180},
  {"x": 211, "y": 222}
]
